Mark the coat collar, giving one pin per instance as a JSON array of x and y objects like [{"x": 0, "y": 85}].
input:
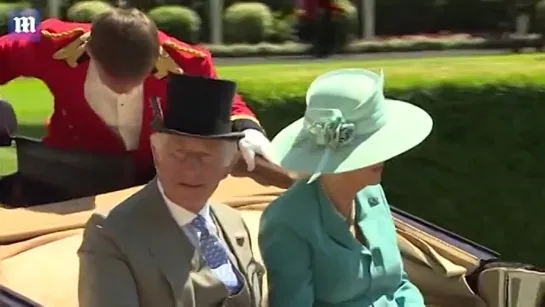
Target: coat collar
[
  {"x": 230, "y": 224},
  {"x": 168, "y": 245},
  {"x": 333, "y": 224}
]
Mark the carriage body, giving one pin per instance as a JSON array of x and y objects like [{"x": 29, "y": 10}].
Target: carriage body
[{"x": 38, "y": 243}]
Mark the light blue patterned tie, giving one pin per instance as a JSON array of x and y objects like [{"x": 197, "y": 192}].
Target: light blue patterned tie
[{"x": 214, "y": 253}]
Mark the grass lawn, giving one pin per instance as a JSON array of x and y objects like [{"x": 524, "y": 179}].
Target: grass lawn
[{"x": 33, "y": 102}]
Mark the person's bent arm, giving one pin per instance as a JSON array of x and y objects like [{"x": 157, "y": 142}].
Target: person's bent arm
[
  {"x": 287, "y": 259},
  {"x": 104, "y": 277},
  {"x": 242, "y": 117},
  {"x": 19, "y": 58}
]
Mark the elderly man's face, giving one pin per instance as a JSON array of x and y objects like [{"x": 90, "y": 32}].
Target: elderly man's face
[{"x": 189, "y": 168}]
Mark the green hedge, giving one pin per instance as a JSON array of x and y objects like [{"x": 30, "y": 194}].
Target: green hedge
[
  {"x": 5, "y": 8},
  {"x": 479, "y": 174},
  {"x": 345, "y": 25},
  {"x": 87, "y": 11},
  {"x": 395, "y": 45},
  {"x": 178, "y": 21},
  {"x": 418, "y": 16},
  {"x": 188, "y": 28},
  {"x": 247, "y": 23}
]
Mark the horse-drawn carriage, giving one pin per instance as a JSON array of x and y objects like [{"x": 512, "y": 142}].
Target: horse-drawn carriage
[{"x": 40, "y": 232}]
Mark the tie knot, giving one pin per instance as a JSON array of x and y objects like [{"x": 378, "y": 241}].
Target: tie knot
[{"x": 199, "y": 223}]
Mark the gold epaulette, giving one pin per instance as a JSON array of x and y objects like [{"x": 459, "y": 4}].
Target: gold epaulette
[
  {"x": 74, "y": 50},
  {"x": 165, "y": 64}
]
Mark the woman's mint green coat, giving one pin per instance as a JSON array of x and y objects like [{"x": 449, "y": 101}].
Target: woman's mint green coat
[{"x": 313, "y": 259}]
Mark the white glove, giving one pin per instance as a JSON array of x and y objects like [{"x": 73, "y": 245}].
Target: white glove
[{"x": 254, "y": 142}]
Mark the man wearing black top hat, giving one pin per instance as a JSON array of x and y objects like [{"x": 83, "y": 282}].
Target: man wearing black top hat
[{"x": 167, "y": 245}]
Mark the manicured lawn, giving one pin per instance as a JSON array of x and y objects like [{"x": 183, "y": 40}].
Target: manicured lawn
[{"x": 33, "y": 102}]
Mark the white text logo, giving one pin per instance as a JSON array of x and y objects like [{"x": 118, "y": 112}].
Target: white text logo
[{"x": 24, "y": 24}]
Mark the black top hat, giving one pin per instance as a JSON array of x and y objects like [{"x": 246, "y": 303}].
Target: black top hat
[{"x": 198, "y": 107}]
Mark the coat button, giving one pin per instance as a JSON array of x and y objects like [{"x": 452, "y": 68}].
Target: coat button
[{"x": 373, "y": 201}]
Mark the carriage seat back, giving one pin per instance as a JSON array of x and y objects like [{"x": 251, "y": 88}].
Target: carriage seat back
[{"x": 79, "y": 173}]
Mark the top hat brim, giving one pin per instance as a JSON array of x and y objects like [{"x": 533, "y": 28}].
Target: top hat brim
[{"x": 224, "y": 136}]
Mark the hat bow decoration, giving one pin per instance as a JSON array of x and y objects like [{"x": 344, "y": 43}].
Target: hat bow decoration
[{"x": 334, "y": 132}]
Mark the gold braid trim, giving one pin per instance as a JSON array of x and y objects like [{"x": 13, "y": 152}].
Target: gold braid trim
[
  {"x": 64, "y": 34},
  {"x": 74, "y": 50},
  {"x": 186, "y": 50}
]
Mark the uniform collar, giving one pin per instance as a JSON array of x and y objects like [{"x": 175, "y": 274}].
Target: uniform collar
[{"x": 96, "y": 83}]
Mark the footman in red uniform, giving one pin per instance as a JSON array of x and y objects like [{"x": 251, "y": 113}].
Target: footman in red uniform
[
  {"x": 318, "y": 16},
  {"x": 102, "y": 76}
]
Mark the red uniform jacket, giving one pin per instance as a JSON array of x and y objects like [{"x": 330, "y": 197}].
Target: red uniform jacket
[
  {"x": 59, "y": 60},
  {"x": 309, "y": 8}
]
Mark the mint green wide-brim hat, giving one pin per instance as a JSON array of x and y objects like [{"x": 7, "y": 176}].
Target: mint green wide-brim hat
[{"x": 348, "y": 125}]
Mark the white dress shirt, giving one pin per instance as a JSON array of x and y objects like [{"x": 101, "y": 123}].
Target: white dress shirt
[
  {"x": 121, "y": 112},
  {"x": 226, "y": 273}
]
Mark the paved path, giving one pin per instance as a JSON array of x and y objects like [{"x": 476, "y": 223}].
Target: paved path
[{"x": 356, "y": 57}]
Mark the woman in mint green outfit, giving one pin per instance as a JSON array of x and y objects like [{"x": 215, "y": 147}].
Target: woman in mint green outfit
[{"x": 330, "y": 239}]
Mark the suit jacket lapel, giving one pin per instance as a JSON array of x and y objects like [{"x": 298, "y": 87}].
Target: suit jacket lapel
[
  {"x": 168, "y": 245},
  {"x": 237, "y": 238},
  {"x": 234, "y": 233}
]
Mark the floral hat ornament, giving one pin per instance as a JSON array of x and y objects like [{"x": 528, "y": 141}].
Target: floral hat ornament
[{"x": 348, "y": 125}]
